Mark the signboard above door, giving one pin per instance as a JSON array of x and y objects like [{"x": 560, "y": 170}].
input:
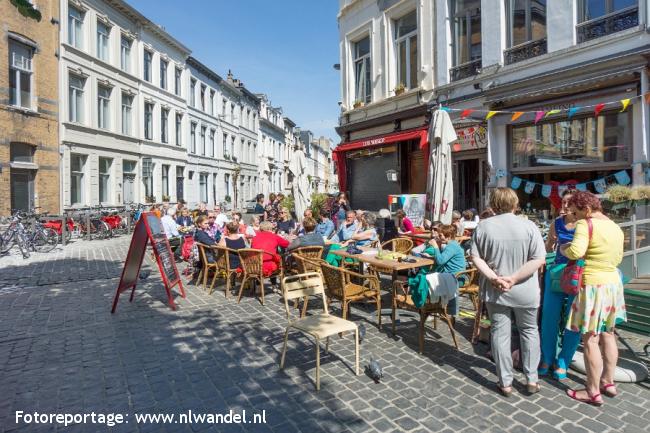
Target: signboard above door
[{"x": 470, "y": 138}]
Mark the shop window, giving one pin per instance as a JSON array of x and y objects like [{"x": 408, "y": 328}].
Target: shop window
[
  {"x": 362, "y": 71},
  {"x": 602, "y": 17},
  {"x": 105, "y": 179},
  {"x": 77, "y": 170},
  {"x": 20, "y": 74},
  {"x": 466, "y": 38},
  {"x": 580, "y": 141},
  {"x": 406, "y": 49}
]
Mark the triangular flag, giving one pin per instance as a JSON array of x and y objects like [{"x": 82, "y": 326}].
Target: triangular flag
[
  {"x": 573, "y": 111},
  {"x": 466, "y": 113},
  {"x": 444, "y": 109},
  {"x": 490, "y": 114},
  {"x": 647, "y": 98},
  {"x": 515, "y": 183},
  {"x": 599, "y": 108},
  {"x": 622, "y": 177},
  {"x": 625, "y": 103},
  {"x": 530, "y": 187},
  {"x": 539, "y": 115},
  {"x": 516, "y": 115},
  {"x": 546, "y": 190},
  {"x": 552, "y": 112}
]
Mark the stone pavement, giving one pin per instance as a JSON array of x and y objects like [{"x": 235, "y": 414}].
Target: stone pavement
[{"x": 61, "y": 351}]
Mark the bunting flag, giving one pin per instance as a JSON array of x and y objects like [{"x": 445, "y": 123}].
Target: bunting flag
[
  {"x": 625, "y": 103},
  {"x": 599, "y": 108},
  {"x": 573, "y": 111},
  {"x": 490, "y": 114},
  {"x": 600, "y": 185},
  {"x": 552, "y": 112},
  {"x": 530, "y": 187},
  {"x": 466, "y": 113},
  {"x": 561, "y": 189},
  {"x": 445, "y": 109},
  {"x": 581, "y": 187},
  {"x": 516, "y": 115},
  {"x": 538, "y": 116},
  {"x": 515, "y": 183},
  {"x": 546, "y": 190},
  {"x": 622, "y": 177}
]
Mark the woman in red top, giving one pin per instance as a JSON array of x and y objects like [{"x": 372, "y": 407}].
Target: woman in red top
[
  {"x": 269, "y": 242},
  {"x": 404, "y": 223}
]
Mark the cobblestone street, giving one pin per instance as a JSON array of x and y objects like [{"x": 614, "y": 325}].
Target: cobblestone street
[{"x": 62, "y": 351}]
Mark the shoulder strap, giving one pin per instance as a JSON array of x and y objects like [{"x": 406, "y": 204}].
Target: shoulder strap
[{"x": 591, "y": 227}]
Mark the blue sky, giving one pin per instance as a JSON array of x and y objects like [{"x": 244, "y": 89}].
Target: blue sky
[{"x": 285, "y": 49}]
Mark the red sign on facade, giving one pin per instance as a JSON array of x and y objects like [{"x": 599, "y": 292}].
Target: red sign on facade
[{"x": 149, "y": 229}]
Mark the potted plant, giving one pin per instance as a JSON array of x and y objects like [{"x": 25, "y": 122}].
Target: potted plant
[
  {"x": 358, "y": 103},
  {"x": 227, "y": 199},
  {"x": 150, "y": 199},
  {"x": 165, "y": 198},
  {"x": 641, "y": 197},
  {"x": 399, "y": 89}
]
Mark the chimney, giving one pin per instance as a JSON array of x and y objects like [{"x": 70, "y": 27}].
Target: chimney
[{"x": 229, "y": 77}]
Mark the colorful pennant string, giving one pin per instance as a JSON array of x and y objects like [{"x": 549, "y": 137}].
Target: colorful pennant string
[
  {"x": 625, "y": 103},
  {"x": 599, "y": 185}
]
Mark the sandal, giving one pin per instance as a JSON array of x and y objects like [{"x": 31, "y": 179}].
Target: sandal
[
  {"x": 533, "y": 388},
  {"x": 559, "y": 376},
  {"x": 594, "y": 400},
  {"x": 505, "y": 391},
  {"x": 609, "y": 389}
]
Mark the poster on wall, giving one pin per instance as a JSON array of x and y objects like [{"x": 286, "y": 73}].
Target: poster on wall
[{"x": 414, "y": 206}]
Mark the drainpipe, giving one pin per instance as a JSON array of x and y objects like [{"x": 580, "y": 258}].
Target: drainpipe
[{"x": 645, "y": 151}]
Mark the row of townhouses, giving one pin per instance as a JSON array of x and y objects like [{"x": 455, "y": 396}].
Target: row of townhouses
[
  {"x": 401, "y": 59},
  {"x": 99, "y": 105}
]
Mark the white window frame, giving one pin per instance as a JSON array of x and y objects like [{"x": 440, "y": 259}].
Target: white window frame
[
  {"x": 104, "y": 176},
  {"x": 147, "y": 72},
  {"x": 193, "y": 137},
  {"x": 125, "y": 53},
  {"x": 407, "y": 40},
  {"x": 203, "y": 186},
  {"x": 103, "y": 107},
  {"x": 178, "y": 81},
  {"x": 203, "y": 131},
  {"x": 165, "y": 179},
  {"x": 212, "y": 134},
  {"x": 21, "y": 68},
  {"x": 81, "y": 173},
  {"x": 164, "y": 65},
  {"x": 164, "y": 125},
  {"x": 76, "y": 27},
  {"x": 148, "y": 120},
  {"x": 179, "y": 129},
  {"x": 76, "y": 99},
  {"x": 103, "y": 42},
  {"x": 127, "y": 114},
  {"x": 366, "y": 62},
  {"x": 204, "y": 89},
  {"x": 193, "y": 93}
]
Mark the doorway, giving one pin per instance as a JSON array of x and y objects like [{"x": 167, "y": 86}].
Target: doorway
[
  {"x": 469, "y": 176},
  {"x": 22, "y": 189}
]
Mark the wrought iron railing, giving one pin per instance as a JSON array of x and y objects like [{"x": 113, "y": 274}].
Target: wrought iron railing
[
  {"x": 525, "y": 51},
  {"x": 612, "y": 23},
  {"x": 465, "y": 70}
]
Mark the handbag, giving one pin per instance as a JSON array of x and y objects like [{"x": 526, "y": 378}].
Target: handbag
[
  {"x": 555, "y": 272},
  {"x": 571, "y": 280}
]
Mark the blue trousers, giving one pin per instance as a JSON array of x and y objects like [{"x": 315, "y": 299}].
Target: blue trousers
[{"x": 551, "y": 314}]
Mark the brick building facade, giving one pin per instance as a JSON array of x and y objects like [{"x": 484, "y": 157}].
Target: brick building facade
[{"x": 29, "y": 148}]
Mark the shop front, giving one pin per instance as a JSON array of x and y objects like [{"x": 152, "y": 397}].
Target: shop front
[
  {"x": 470, "y": 171},
  {"x": 373, "y": 168}
]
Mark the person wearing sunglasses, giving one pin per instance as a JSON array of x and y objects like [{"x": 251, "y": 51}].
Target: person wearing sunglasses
[
  {"x": 286, "y": 224},
  {"x": 213, "y": 229}
]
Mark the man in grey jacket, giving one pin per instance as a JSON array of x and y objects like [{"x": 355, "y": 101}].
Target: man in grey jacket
[{"x": 310, "y": 238}]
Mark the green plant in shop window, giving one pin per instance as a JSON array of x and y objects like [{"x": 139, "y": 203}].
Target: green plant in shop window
[{"x": 27, "y": 9}]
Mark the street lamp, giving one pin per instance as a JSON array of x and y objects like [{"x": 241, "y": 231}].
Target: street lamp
[{"x": 235, "y": 177}]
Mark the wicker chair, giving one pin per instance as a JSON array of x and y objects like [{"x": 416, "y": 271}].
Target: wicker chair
[
  {"x": 313, "y": 252},
  {"x": 251, "y": 262},
  {"x": 206, "y": 266},
  {"x": 403, "y": 301},
  {"x": 468, "y": 285},
  {"x": 340, "y": 287},
  {"x": 400, "y": 245},
  {"x": 224, "y": 270}
]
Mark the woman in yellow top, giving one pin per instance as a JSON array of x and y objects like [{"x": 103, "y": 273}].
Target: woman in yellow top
[{"x": 599, "y": 304}]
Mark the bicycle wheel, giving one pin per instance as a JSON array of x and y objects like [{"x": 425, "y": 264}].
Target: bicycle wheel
[
  {"x": 121, "y": 229},
  {"x": 102, "y": 230},
  {"x": 44, "y": 241},
  {"x": 6, "y": 241}
]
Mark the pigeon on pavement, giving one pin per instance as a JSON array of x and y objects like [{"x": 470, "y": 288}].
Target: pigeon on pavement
[
  {"x": 362, "y": 332},
  {"x": 145, "y": 274},
  {"x": 374, "y": 370}
]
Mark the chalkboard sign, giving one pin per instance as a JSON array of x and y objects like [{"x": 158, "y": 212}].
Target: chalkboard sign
[{"x": 149, "y": 229}]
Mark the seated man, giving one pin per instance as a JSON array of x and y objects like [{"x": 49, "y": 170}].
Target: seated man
[
  {"x": 325, "y": 227},
  {"x": 171, "y": 231},
  {"x": 310, "y": 238},
  {"x": 348, "y": 227}
]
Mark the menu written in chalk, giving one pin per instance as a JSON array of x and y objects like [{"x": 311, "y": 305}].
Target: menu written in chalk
[{"x": 164, "y": 253}]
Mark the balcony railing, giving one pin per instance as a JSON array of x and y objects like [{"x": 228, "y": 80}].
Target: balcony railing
[
  {"x": 465, "y": 70},
  {"x": 612, "y": 23},
  {"x": 525, "y": 51}
]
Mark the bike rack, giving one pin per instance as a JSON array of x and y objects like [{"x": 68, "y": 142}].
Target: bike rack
[{"x": 64, "y": 226}]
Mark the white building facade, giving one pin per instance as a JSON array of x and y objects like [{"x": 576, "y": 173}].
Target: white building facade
[
  {"x": 121, "y": 95},
  {"x": 400, "y": 59},
  {"x": 272, "y": 139}
]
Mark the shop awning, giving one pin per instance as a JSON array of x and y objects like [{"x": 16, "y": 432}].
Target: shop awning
[{"x": 338, "y": 154}]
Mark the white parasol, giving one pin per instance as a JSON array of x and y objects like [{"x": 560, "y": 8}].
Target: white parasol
[
  {"x": 300, "y": 184},
  {"x": 440, "y": 188}
]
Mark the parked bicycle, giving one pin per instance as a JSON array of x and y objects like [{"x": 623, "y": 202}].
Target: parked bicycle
[{"x": 27, "y": 233}]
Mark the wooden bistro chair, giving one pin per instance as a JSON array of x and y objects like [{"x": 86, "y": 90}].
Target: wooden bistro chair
[
  {"x": 340, "y": 287},
  {"x": 402, "y": 300},
  {"x": 314, "y": 252},
  {"x": 206, "y": 267},
  {"x": 319, "y": 326},
  {"x": 468, "y": 285},
  {"x": 399, "y": 245},
  {"x": 251, "y": 262},
  {"x": 224, "y": 270}
]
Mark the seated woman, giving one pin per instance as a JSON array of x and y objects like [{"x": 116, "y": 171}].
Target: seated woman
[
  {"x": 285, "y": 223},
  {"x": 269, "y": 242},
  {"x": 234, "y": 241},
  {"x": 185, "y": 220},
  {"x": 404, "y": 224},
  {"x": 449, "y": 257},
  {"x": 202, "y": 236},
  {"x": 367, "y": 233}
]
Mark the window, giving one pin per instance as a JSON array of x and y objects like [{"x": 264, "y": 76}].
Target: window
[
  {"x": 254, "y": 121},
  {"x": 127, "y": 110},
  {"x": 148, "y": 121},
  {"x": 180, "y": 180},
  {"x": 250, "y": 119},
  {"x": 406, "y": 48},
  {"x": 104, "y": 179},
  {"x": 466, "y": 31},
  {"x": 163, "y": 74},
  {"x": 203, "y": 128},
  {"x": 232, "y": 146},
  {"x": 226, "y": 181},
  {"x": 232, "y": 113},
  {"x": 203, "y": 97},
  {"x": 362, "y": 72},
  {"x": 203, "y": 186},
  {"x": 103, "y": 32},
  {"x": 579, "y": 141},
  {"x": 251, "y": 159},
  {"x": 103, "y": 107},
  {"x": 125, "y": 54},
  {"x": 223, "y": 107},
  {"x": 527, "y": 21},
  {"x": 179, "y": 129},
  {"x": 165, "y": 180},
  {"x": 592, "y": 9},
  {"x": 193, "y": 92},
  {"x": 164, "y": 125},
  {"x": 193, "y": 138},
  {"x": 177, "y": 81},
  {"x": 211, "y": 148},
  {"x": 148, "y": 56},
  {"x": 212, "y": 102},
  {"x": 75, "y": 27},
  {"x": 77, "y": 166},
  {"x": 21, "y": 152},
  {"x": 225, "y": 145},
  {"x": 20, "y": 74},
  {"x": 76, "y": 98}
]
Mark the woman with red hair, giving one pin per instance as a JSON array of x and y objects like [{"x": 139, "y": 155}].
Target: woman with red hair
[{"x": 599, "y": 305}]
